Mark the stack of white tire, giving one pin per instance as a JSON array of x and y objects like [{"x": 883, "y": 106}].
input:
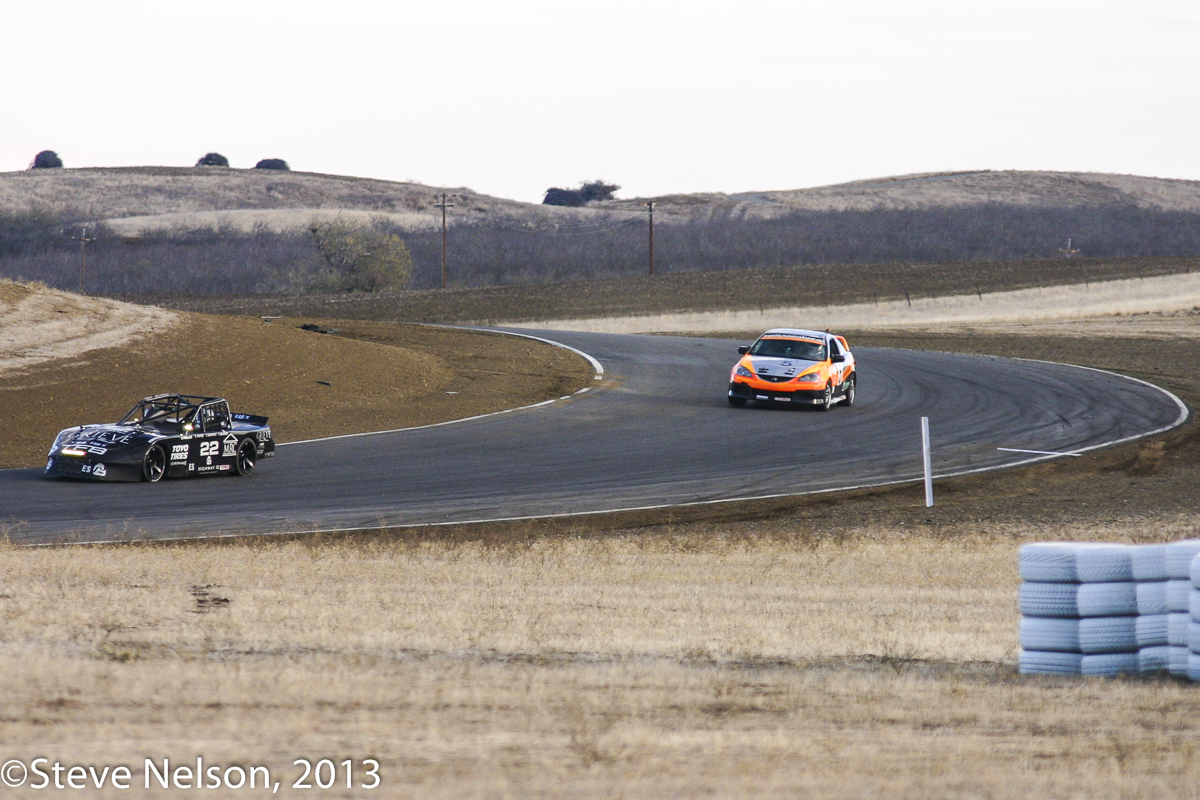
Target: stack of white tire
[
  {"x": 1079, "y": 609},
  {"x": 1179, "y": 553},
  {"x": 1110, "y": 609}
]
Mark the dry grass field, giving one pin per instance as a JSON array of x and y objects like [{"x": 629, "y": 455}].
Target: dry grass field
[
  {"x": 135, "y": 199},
  {"x": 758, "y": 660},
  {"x": 154, "y": 197}
]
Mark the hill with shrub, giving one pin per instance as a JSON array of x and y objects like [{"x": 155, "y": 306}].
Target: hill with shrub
[{"x": 246, "y": 231}]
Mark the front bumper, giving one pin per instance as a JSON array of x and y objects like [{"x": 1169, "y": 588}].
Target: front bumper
[
  {"x": 744, "y": 391},
  {"x": 59, "y": 466}
]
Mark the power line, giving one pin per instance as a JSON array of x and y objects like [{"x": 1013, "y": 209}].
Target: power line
[
  {"x": 445, "y": 204},
  {"x": 83, "y": 240},
  {"x": 650, "y": 205}
]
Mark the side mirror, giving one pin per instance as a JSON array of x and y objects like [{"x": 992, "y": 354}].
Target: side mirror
[
  {"x": 837, "y": 358},
  {"x": 743, "y": 350}
]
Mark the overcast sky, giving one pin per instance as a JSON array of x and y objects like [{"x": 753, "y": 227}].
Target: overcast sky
[{"x": 509, "y": 98}]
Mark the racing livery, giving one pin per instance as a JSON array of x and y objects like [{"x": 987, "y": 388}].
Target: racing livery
[
  {"x": 164, "y": 436},
  {"x": 791, "y": 365}
]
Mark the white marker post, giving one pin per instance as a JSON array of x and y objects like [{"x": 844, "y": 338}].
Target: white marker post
[{"x": 925, "y": 457}]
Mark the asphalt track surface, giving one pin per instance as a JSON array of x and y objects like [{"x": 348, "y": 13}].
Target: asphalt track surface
[{"x": 656, "y": 430}]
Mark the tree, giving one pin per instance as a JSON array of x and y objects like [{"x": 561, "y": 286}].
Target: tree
[
  {"x": 213, "y": 160},
  {"x": 587, "y": 192},
  {"x": 598, "y": 190},
  {"x": 272, "y": 163},
  {"x": 362, "y": 257},
  {"x": 562, "y": 197},
  {"x": 47, "y": 159}
]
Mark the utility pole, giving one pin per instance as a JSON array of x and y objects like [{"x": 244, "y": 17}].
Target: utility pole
[
  {"x": 443, "y": 206},
  {"x": 83, "y": 240},
  {"x": 650, "y": 205}
]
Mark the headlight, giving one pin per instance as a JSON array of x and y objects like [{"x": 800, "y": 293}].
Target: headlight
[
  {"x": 742, "y": 371},
  {"x": 812, "y": 377}
]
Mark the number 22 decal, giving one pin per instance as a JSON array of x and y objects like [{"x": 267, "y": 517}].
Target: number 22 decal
[{"x": 209, "y": 448}]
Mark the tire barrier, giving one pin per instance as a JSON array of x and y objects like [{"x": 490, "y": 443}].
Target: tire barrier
[
  {"x": 1178, "y": 596},
  {"x": 1150, "y": 562},
  {"x": 1110, "y": 609},
  {"x": 1179, "y": 557},
  {"x": 1087, "y": 636},
  {"x": 1151, "y": 630},
  {"x": 1152, "y": 597},
  {"x": 1154, "y": 659}
]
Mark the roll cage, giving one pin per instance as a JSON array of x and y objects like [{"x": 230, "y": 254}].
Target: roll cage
[{"x": 176, "y": 413}]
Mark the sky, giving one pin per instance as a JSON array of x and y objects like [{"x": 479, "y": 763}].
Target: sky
[{"x": 658, "y": 96}]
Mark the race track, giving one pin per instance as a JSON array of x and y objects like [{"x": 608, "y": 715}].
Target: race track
[{"x": 655, "y": 431}]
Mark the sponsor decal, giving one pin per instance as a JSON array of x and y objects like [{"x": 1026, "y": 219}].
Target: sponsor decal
[
  {"x": 99, "y": 471},
  {"x": 230, "y": 445},
  {"x": 263, "y": 435},
  {"x": 90, "y": 448},
  {"x": 179, "y": 452},
  {"x": 104, "y": 437}
]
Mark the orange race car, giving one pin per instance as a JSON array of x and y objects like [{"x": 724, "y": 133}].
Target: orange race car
[{"x": 789, "y": 365}]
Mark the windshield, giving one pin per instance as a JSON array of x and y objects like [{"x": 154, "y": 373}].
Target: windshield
[{"x": 803, "y": 349}]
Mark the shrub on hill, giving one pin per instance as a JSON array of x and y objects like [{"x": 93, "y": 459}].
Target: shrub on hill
[
  {"x": 213, "y": 160},
  {"x": 272, "y": 163},
  {"x": 587, "y": 192},
  {"x": 28, "y": 232},
  {"x": 361, "y": 257},
  {"x": 345, "y": 255},
  {"x": 47, "y": 159}
]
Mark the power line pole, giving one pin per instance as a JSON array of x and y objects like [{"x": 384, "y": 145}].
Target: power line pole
[
  {"x": 83, "y": 240},
  {"x": 443, "y": 206},
  {"x": 650, "y": 205}
]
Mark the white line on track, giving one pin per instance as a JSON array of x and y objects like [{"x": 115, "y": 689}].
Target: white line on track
[{"x": 1038, "y": 452}]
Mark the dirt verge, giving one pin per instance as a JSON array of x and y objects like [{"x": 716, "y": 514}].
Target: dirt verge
[{"x": 359, "y": 377}]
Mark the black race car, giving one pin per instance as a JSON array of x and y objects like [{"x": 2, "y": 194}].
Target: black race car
[{"x": 168, "y": 435}]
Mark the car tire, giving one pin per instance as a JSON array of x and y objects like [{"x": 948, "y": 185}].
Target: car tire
[
  {"x": 826, "y": 400},
  {"x": 154, "y": 464},
  {"x": 243, "y": 464},
  {"x": 851, "y": 390},
  {"x": 737, "y": 402}
]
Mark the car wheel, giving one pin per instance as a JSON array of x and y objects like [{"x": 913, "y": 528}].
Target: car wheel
[
  {"x": 827, "y": 399},
  {"x": 245, "y": 457},
  {"x": 737, "y": 402},
  {"x": 851, "y": 389},
  {"x": 154, "y": 464}
]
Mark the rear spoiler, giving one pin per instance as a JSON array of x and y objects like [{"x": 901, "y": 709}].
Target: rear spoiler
[{"x": 250, "y": 418}]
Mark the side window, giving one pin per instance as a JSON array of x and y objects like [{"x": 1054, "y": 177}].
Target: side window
[
  {"x": 214, "y": 417},
  {"x": 835, "y": 347}
]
